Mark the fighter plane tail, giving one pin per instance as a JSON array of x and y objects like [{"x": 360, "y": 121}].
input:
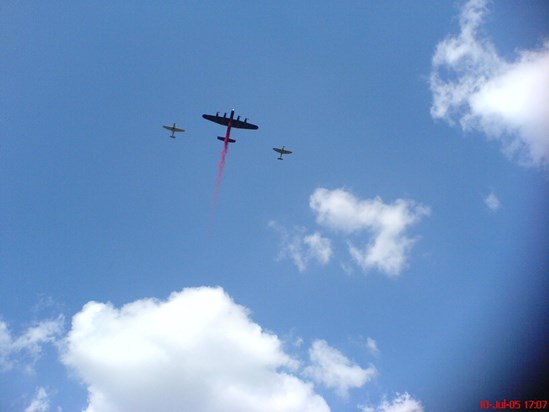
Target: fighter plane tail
[{"x": 223, "y": 139}]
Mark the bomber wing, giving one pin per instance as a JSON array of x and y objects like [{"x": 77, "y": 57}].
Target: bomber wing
[{"x": 224, "y": 120}]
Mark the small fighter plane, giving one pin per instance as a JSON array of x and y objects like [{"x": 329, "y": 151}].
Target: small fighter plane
[
  {"x": 281, "y": 151},
  {"x": 230, "y": 122},
  {"x": 173, "y": 129}
]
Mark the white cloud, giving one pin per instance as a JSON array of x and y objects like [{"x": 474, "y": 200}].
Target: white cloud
[
  {"x": 319, "y": 247},
  {"x": 302, "y": 249},
  {"x": 40, "y": 403},
  {"x": 332, "y": 369},
  {"x": 386, "y": 253},
  {"x": 28, "y": 346},
  {"x": 401, "y": 403},
  {"x": 198, "y": 351},
  {"x": 388, "y": 247},
  {"x": 371, "y": 344},
  {"x": 505, "y": 100},
  {"x": 492, "y": 202},
  {"x": 5, "y": 347}
]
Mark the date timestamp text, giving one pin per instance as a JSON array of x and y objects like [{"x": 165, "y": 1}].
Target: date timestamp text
[{"x": 515, "y": 404}]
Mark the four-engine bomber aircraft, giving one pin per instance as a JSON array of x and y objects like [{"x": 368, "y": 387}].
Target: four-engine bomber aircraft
[
  {"x": 173, "y": 129},
  {"x": 281, "y": 151},
  {"x": 230, "y": 122}
]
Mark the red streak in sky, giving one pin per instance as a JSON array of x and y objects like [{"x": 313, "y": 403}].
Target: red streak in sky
[
  {"x": 221, "y": 165},
  {"x": 220, "y": 168}
]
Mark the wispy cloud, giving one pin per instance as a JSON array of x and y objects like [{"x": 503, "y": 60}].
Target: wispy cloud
[
  {"x": 331, "y": 368},
  {"x": 385, "y": 223},
  {"x": 196, "y": 351},
  {"x": 40, "y": 402},
  {"x": 401, "y": 403},
  {"x": 27, "y": 348},
  {"x": 371, "y": 344},
  {"x": 506, "y": 100},
  {"x": 492, "y": 202},
  {"x": 302, "y": 248}
]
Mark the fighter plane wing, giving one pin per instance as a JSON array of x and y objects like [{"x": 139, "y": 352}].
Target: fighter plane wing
[
  {"x": 173, "y": 128},
  {"x": 281, "y": 151}
]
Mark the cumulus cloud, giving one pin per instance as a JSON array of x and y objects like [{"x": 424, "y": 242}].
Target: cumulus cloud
[
  {"x": 40, "y": 402},
  {"x": 492, "y": 202},
  {"x": 27, "y": 348},
  {"x": 401, "y": 403},
  {"x": 302, "y": 248},
  {"x": 386, "y": 224},
  {"x": 197, "y": 351},
  {"x": 506, "y": 100},
  {"x": 331, "y": 368}
]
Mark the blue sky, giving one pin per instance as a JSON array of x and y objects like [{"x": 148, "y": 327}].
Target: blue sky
[{"x": 395, "y": 262}]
